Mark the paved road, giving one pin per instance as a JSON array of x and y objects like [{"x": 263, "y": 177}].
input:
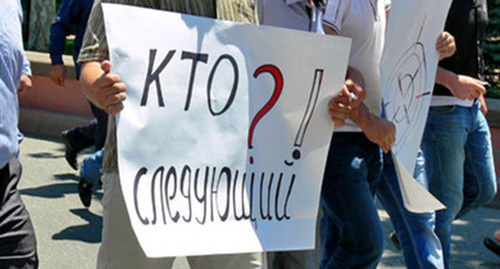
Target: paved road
[{"x": 69, "y": 235}]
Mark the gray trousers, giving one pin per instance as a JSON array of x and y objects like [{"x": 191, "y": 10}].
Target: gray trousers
[
  {"x": 120, "y": 248},
  {"x": 17, "y": 236}
]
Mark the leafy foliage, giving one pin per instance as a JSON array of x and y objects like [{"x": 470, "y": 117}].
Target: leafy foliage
[{"x": 492, "y": 49}]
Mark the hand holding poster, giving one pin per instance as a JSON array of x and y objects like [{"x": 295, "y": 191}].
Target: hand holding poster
[
  {"x": 408, "y": 71},
  {"x": 223, "y": 139}
]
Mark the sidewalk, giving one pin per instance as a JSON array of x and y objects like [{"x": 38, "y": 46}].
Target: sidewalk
[{"x": 69, "y": 235}]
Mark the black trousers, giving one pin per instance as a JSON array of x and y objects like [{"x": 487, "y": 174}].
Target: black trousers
[
  {"x": 93, "y": 134},
  {"x": 17, "y": 236}
]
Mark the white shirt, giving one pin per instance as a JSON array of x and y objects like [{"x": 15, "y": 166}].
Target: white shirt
[
  {"x": 364, "y": 22},
  {"x": 291, "y": 14},
  {"x": 11, "y": 67}
]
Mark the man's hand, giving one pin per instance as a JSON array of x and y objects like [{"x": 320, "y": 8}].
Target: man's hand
[
  {"x": 484, "y": 107},
  {"x": 465, "y": 87},
  {"x": 24, "y": 85},
  {"x": 105, "y": 90},
  {"x": 58, "y": 74},
  {"x": 446, "y": 45},
  {"x": 353, "y": 94},
  {"x": 378, "y": 130},
  {"x": 461, "y": 86},
  {"x": 381, "y": 132}
]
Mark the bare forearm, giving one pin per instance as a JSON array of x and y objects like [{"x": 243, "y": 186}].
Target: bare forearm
[
  {"x": 91, "y": 71},
  {"x": 361, "y": 116},
  {"x": 445, "y": 77}
]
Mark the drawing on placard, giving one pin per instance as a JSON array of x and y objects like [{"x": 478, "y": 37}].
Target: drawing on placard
[
  {"x": 407, "y": 86},
  {"x": 311, "y": 105}
]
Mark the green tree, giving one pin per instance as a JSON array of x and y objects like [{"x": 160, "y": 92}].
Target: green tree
[
  {"x": 42, "y": 14},
  {"x": 492, "y": 49}
]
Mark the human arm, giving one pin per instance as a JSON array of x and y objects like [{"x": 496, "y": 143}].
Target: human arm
[
  {"x": 102, "y": 88},
  {"x": 25, "y": 83},
  {"x": 484, "y": 107},
  {"x": 461, "y": 86},
  {"x": 378, "y": 130},
  {"x": 445, "y": 45},
  {"x": 352, "y": 95},
  {"x": 59, "y": 29}
]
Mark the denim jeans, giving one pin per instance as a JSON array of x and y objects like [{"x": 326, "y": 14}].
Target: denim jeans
[
  {"x": 459, "y": 164},
  {"x": 351, "y": 231},
  {"x": 415, "y": 231},
  {"x": 90, "y": 170}
]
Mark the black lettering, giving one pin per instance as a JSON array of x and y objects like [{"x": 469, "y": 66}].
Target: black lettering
[
  {"x": 213, "y": 192},
  {"x": 203, "y": 198},
  {"x": 196, "y": 57},
  {"x": 267, "y": 215},
  {"x": 186, "y": 177},
  {"x": 171, "y": 173},
  {"x": 138, "y": 176},
  {"x": 285, "y": 206},
  {"x": 161, "y": 170},
  {"x": 227, "y": 172},
  {"x": 155, "y": 76},
  {"x": 233, "y": 90}
]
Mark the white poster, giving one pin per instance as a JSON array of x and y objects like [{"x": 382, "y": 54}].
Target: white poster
[
  {"x": 408, "y": 72},
  {"x": 224, "y": 136}
]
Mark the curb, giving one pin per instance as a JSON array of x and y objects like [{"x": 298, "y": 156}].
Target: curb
[{"x": 48, "y": 124}]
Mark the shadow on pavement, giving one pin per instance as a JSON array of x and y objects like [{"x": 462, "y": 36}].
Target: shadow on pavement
[
  {"x": 51, "y": 191},
  {"x": 67, "y": 176},
  {"x": 89, "y": 232},
  {"x": 58, "y": 190},
  {"x": 490, "y": 264},
  {"x": 45, "y": 155}
]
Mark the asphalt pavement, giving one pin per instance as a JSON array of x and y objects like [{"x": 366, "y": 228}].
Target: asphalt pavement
[{"x": 69, "y": 235}]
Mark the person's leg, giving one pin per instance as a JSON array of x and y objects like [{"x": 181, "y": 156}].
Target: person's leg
[
  {"x": 77, "y": 139},
  {"x": 120, "y": 247},
  {"x": 101, "y": 126},
  {"x": 480, "y": 180},
  {"x": 229, "y": 261},
  {"x": 421, "y": 246},
  {"x": 443, "y": 145},
  {"x": 81, "y": 137},
  {"x": 17, "y": 236},
  {"x": 300, "y": 259},
  {"x": 90, "y": 169},
  {"x": 90, "y": 176},
  {"x": 348, "y": 204}
]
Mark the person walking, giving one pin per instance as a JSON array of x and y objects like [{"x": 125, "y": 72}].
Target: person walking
[
  {"x": 457, "y": 140},
  {"x": 17, "y": 236},
  {"x": 120, "y": 247},
  {"x": 75, "y": 14}
]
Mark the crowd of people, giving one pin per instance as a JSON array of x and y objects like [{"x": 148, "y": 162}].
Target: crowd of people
[{"x": 455, "y": 161}]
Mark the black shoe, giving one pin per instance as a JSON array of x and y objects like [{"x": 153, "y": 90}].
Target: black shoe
[
  {"x": 395, "y": 241},
  {"x": 70, "y": 153},
  {"x": 491, "y": 245},
  {"x": 85, "y": 192}
]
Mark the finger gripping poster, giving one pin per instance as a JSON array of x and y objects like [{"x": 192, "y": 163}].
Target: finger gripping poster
[{"x": 225, "y": 132}]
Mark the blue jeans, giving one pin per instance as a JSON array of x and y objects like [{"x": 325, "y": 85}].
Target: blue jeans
[
  {"x": 90, "y": 171},
  {"x": 351, "y": 232},
  {"x": 415, "y": 231},
  {"x": 459, "y": 164}
]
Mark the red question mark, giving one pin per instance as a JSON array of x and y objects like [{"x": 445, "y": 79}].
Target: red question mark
[{"x": 278, "y": 80}]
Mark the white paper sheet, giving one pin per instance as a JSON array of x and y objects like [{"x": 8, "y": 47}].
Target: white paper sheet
[
  {"x": 408, "y": 71},
  {"x": 224, "y": 136}
]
